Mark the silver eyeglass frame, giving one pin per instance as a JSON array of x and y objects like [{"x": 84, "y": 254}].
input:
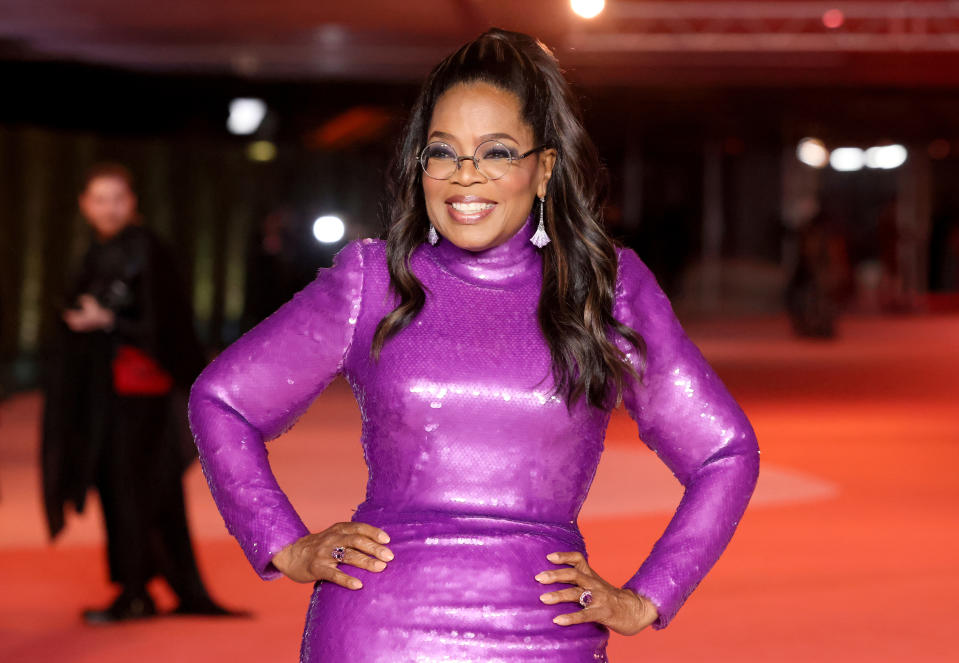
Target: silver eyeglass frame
[{"x": 421, "y": 159}]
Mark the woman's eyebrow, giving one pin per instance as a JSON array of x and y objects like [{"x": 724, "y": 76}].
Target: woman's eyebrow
[
  {"x": 442, "y": 135},
  {"x": 497, "y": 136}
]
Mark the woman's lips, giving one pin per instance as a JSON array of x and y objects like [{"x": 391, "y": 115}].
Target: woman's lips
[{"x": 469, "y": 209}]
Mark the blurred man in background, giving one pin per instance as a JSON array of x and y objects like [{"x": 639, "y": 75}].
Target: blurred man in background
[{"x": 114, "y": 417}]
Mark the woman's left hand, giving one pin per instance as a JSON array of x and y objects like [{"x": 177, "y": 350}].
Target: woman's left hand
[{"x": 620, "y": 610}]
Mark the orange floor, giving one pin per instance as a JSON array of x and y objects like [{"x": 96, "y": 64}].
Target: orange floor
[{"x": 850, "y": 551}]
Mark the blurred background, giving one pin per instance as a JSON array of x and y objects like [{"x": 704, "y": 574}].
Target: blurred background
[
  {"x": 698, "y": 108},
  {"x": 743, "y": 141}
]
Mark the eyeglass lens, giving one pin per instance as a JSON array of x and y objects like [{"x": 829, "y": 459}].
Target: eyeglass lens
[{"x": 492, "y": 160}]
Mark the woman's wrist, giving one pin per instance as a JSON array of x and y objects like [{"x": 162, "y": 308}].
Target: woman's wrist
[{"x": 646, "y": 612}]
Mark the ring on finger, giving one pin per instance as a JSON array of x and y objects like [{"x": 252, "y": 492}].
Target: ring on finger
[
  {"x": 586, "y": 598},
  {"x": 338, "y": 553}
]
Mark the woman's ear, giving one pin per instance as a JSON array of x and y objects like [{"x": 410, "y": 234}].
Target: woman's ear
[{"x": 547, "y": 159}]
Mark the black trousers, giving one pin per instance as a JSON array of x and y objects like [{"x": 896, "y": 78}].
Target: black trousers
[{"x": 141, "y": 490}]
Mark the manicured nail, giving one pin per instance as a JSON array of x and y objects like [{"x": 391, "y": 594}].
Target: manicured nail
[
  {"x": 540, "y": 577},
  {"x": 552, "y": 557},
  {"x": 544, "y": 598},
  {"x": 356, "y": 584},
  {"x": 378, "y": 565},
  {"x": 388, "y": 554},
  {"x": 561, "y": 620},
  {"x": 384, "y": 537}
]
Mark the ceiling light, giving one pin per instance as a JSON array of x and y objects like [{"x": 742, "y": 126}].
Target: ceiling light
[
  {"x": 812, "y": 152},
  {"x": 328, "y": 229},
  {"x": 847, "y": 159},
  {"x": 246, "y": 114},
  {"x": 261, "y": 150},
  {"x": 886, "y": 157},
  {"x": 833, "y": 18},
  {"x": 587, "y": 8}
]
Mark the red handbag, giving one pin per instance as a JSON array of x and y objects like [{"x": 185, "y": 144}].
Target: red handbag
[{"x": 135, "y": 373}]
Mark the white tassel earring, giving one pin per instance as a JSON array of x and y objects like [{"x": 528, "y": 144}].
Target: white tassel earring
[
  {"x": 540, "y": 238},
  {"x": 433, "y": 237}
]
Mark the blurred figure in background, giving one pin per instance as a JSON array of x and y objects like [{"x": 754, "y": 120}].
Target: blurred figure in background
[
  {"x": 114, "y": 413},
  {"x": 821, "y": 273}
]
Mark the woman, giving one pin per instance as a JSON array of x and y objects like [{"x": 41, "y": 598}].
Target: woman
[{"x": 486, "y": 341}]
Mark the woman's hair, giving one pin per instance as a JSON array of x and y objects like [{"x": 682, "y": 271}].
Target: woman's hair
[{"x": 579, "y": 264}]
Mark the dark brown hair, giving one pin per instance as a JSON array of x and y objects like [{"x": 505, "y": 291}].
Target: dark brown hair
[
  {"x": 579, "y": 264},
  {"x": 108, "y": 169}
]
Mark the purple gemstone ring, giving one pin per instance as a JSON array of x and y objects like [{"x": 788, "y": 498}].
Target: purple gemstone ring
[
  {"x": 339, "y": 553},
  {"x": 586, "y": 598}
]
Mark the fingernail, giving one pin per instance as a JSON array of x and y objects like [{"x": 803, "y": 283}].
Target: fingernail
[
  {"x": 388, "y": 555},
  {"x": 378, "y": 565},
  {"x": 559, "y": 620},
  {"x": 384, "y": 538},
  {"x": 357, "y": 584},
  {"x": 540, "y": 577},
  {"x": 544, "y": 598},
  {"x": 552, "y": 557}
]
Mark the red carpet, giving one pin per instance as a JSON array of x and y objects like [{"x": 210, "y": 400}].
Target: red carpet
[{"x": 850, "y": 551}]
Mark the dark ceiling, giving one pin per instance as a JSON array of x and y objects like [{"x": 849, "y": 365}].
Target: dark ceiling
[{"x": 635, "y": 43}]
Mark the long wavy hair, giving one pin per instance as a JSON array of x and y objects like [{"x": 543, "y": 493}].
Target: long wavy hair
[{"x": 579, "y": 264}]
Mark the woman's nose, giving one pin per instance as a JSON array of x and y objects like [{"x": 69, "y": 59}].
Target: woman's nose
[{"x": 468, "y": 173}]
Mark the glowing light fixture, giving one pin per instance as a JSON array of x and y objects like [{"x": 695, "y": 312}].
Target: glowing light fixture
[
  {"x": 246, "y": 114},
  {"x": 261, "y": 150},
  {"x": 847, "y": 159},
  {"x": 812, "y": 152},
  {"x": 886, "y": 157},
  {"x": 328, "y": 229},
  {"x": 587, "y": 8},
  {"x": 833, "y": 18}
]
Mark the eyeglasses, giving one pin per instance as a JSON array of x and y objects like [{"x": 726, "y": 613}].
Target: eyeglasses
[{"x": 492, "y": 159}]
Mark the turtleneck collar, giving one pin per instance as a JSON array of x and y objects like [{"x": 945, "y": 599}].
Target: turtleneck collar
[{"x": 514, "y": 262}]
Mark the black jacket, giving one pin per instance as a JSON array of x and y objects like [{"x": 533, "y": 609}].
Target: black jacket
[{"x": 134, "y": 275}]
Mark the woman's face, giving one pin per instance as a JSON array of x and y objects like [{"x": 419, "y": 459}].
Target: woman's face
[{"x": 468, "y": 209}]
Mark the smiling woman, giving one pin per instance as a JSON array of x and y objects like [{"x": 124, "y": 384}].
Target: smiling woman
[
  {"x": 486, "y": 359},
  {"x": 482, "y": 206}
]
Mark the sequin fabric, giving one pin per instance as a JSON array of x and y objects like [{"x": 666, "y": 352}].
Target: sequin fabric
[{"x": 476, "y": 470}]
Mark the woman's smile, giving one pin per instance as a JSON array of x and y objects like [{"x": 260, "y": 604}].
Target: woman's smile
[{"x": 469, "y": 209}]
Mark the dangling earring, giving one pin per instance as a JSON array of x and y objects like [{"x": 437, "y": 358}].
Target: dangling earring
[
  {"x": 540, "y": 238},
  {"x": 433, "y": 236}
]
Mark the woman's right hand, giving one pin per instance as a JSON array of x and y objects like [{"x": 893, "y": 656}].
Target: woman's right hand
[{"x": 311, "y": 558}]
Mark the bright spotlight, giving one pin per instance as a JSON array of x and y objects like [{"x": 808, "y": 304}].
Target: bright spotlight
[
  {"x": 328, "y": 229},
  {"x": 847, "y": 159},
  {"x": 812, "y": 152},
  {"x": 587, "y": 8},
  {"x": 886, "y": 157},
  {"x": 246, "y": 114}
]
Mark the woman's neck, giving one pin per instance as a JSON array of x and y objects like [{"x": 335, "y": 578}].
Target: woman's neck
[{"x": 515, "y": 261}]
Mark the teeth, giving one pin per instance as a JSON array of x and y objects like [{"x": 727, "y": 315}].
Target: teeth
[{"x": 471, "y": 208}]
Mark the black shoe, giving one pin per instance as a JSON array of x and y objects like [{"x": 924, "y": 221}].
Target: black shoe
[
  {"x": 124, "y": 608},
  {"x": 206, "y": 608}
]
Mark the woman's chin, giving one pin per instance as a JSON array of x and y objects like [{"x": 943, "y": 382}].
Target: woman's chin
[{"x": 471, "y": 237}]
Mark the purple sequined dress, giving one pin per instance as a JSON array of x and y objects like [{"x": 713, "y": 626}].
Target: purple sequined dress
[{"x": 475, "y": 470}]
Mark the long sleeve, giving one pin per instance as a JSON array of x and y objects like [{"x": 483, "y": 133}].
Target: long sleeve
[
  {"x": 686, "y": 415},
  {"x": 257, "y": 388}
]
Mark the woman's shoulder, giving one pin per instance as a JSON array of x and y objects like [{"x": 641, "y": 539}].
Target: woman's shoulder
[
  {"x": 638, "y": 295},
  {"x": 364, "y": 254},
  {"x": 632, "y": 274}
]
